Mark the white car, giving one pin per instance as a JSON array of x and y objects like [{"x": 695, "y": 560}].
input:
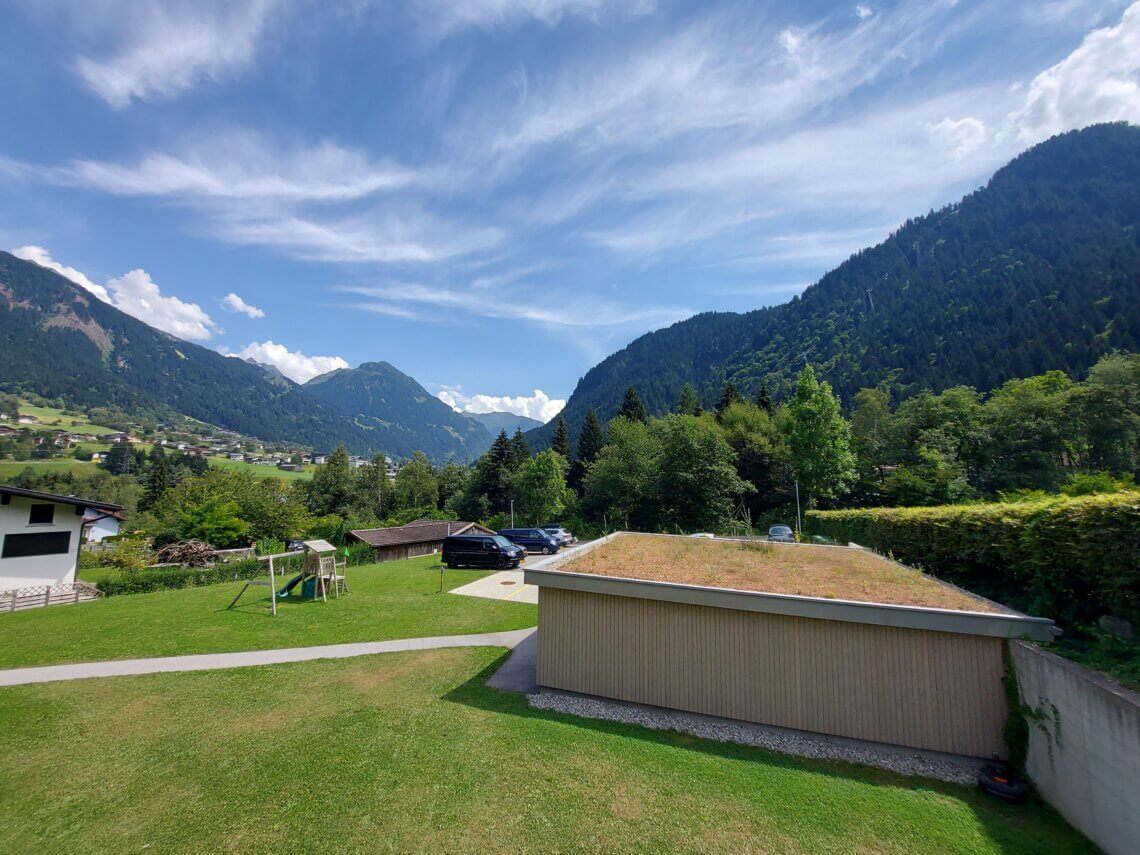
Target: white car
[
  {"x": 564, "y": 537},
  {"x": 707, "y": 534}
]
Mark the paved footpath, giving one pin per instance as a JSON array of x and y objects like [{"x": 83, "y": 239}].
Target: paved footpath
[{"x": 212, "y": 661}]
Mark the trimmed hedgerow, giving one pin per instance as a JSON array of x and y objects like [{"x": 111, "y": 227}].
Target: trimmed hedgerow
[{"x": 1071, "y": 559}]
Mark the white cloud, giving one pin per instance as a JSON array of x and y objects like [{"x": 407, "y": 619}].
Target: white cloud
[
  {"x": 537, "y": 406},
  {"x": 234, "y": 303},
  {"x": 963, "y": 136},
  {"x": 136, "y": 294},
  {"x": 43, "y": 258},
  {"x": 164, "y": 49},
  {"x": 790, "y": 40},
  {"x": 1097, "y": 82},
  {"x": 863, "y": 11},
  {"x": 293, "y": 364}
]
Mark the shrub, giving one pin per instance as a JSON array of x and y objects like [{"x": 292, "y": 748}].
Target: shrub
[
  {"x": 1072, "y": 559},
  {"x": 170, "y": 578}
]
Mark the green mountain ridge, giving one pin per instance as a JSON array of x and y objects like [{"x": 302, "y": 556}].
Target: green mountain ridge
[
  {"x": 497, "y": 421},
  {"x": 59, "y": 341},
  {"x": 1037, "y": 270},
  {"x": 401, "y": 413}
]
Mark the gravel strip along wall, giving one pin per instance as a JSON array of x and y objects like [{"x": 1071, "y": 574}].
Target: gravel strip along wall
[{"x": 796, "y": 744}]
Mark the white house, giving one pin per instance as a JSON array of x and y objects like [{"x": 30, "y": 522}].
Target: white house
[
  {"x": 99, "y": 524},
  {"x": 40, "y": 536}
]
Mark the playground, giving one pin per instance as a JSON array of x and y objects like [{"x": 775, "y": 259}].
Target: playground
[{"x": 398, "y": 599}]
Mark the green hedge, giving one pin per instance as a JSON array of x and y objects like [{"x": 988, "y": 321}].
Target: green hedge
[{"x": 1070, "y": 559}]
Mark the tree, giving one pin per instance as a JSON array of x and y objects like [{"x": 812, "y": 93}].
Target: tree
[
  {"x": 452, "y": 479},
  {"x": 591, "y": 439},
  {"x": 761, "y": 456},
  {"x": 632, "y": 408},
  {"x": 519, "y": 451},
  {"x": 542, "y": 484},
  {"x": 121, "y": 459},
  {"x": 728, "y": 396},
  {"x": 818, "y": 438},
  {"x": 695, "y": 477},
  {"x": 690, "y": 403},
  {"x": 488, "y": 488},
  {"x": 871, "y": 435},
  {"x": 157, "y": 479},
  {"x": 561, "y": 441},
  {"x": 373, "y": 488},
  {"x": 619, "y": 484},
  {"x": 216, "y": 522},
  {"x": 764, "y": 398},
  {"x": 330, "y": 491},
  {"x": 416, "y": 485}
]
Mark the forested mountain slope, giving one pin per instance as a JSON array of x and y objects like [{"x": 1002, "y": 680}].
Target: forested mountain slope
[
  {"x": 1037, "y": 270},
  {"x": 58, "y": 340},
  {"x": 401, "y": 414}
]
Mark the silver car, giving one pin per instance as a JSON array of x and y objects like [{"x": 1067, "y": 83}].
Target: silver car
[{"x": 781, "y": 534}]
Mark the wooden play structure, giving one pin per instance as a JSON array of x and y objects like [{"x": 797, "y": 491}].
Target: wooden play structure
[{"x": 320, "y": 574}]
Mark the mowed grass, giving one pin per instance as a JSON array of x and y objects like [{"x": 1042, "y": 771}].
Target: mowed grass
[
  {"x": 410, "y": 752},
  {"x": 52, "y": 418},
  {"x": 11, "y": 468},
  {"x": 781, "y": 568},
  {"x": 259, "y": 470},
  {"x": 399, "y": 599}
]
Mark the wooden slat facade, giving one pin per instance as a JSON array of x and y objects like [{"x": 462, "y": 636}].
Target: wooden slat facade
[
  {"x": 939, "y": 691},
  {"x": 406, "y": 550}
]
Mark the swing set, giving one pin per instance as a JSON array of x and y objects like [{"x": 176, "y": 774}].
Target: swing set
[{"x": 320, "y": 574}]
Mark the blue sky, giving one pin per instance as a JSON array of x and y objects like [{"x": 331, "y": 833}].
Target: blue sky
[{"x": 493, "y": 195}]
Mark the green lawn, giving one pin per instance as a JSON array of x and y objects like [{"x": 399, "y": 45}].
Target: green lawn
[
  {"x": 411, "y": 752},
  {"x": 399, "y": 599},
  {"x": 12, "y": 468},
  {"x": 52, "y": 418},
  {"x": 259, "y": 469}
]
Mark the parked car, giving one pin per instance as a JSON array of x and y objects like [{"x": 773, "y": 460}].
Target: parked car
[
  {"x": 481, "y": 550},
  {"x": 532, "y": 540},
  {"x": 706, "y": 534},
  {"x": 564, "y": 537},
  {"x": 781, "y": 534}
]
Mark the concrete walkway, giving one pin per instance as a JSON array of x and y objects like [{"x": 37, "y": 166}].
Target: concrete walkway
[
  {"x": 503, "y": 585},
  {"x": 212, "y": 661}
]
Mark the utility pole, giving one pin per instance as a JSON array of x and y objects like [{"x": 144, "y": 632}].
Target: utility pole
[
  {"x": 512, "y": 513},
  {"x": 799, "y": 520}
]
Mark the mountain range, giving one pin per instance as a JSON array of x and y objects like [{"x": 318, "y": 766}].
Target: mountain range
[
  {"x": 1037, "y": 270},
  {"x": 58, "y": 340}
]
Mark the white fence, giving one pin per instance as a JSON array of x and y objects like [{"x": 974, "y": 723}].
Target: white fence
[{"x": 39, "y": 596}]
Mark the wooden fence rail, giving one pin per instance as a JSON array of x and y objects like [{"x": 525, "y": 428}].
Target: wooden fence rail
[{"x": 38, "y": 596}]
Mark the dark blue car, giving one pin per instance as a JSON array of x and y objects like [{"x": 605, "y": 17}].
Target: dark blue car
[{"x": 532, "y": 539}]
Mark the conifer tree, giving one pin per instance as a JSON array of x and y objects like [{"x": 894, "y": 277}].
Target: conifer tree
[
  {"x": 728, "y": 396},
  {"x": 764, "y": 398},
  {"x": 519, "y": 451},
  {"x": 590, "y": 441},
  {"x": 690, "y": 404},
  {"x": 632, "y": 408},
  {"x": 157, "y": 478},
  {"x": 561, "y": 441}
]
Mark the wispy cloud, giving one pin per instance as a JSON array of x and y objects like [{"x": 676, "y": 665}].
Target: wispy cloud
[
  {"x": 159, "y": 50},
  {"x": 447, "y": 16}
]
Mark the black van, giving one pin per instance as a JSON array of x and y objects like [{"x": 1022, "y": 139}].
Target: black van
[{"x": 481, "y": 550}]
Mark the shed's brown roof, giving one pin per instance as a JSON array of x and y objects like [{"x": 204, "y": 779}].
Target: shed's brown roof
[{"x": 417, "y": 531}]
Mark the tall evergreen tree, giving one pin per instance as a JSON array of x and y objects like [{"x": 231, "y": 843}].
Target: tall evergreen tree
[
  {"x": 157, "y": 480},
  {"x": 690, "y": 404},
  {"x": 590, "y": 441},
  {"x": 330, "y": 491},
  {"x": 632, "y": 407},
  {"x": 728, "y": 396},
  {"x": 561, "y": 441},
  {"x": 519, "y": 451},
  {"x": 764, "y": 398}
]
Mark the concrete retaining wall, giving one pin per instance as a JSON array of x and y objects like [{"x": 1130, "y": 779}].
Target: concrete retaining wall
[{"x": 1084, "y": 746}]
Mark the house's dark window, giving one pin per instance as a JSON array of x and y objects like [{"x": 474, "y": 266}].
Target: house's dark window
[
  {"x": 40, "y": 543},
  {"x": 41, "y": 514}
]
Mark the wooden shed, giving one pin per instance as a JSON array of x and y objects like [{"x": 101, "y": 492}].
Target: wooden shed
[
  {"x": 420, "y": 537},
  {"x": 915, "y": 675}
]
